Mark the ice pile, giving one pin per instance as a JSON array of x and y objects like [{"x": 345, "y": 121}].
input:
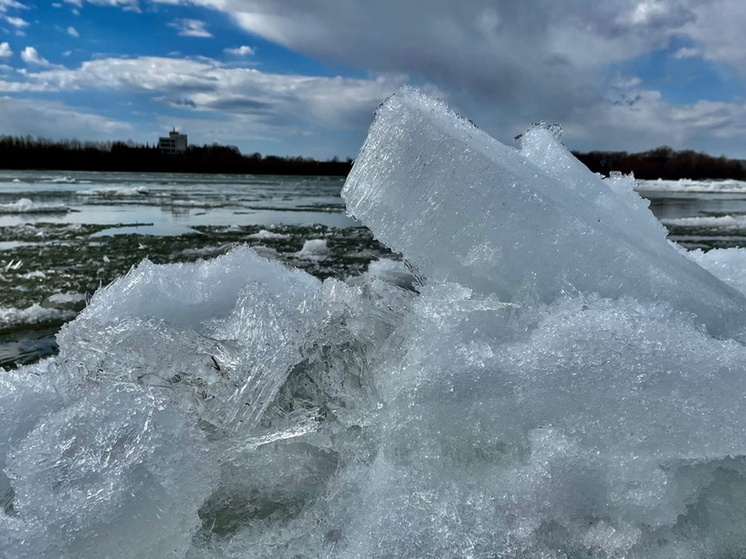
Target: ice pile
[
  {"x": 116, "y": 192},
  {"x": 730, "y": 223},
  {"x": 545, "y": 377},
  {"x": 28, "y": 206},
  {"x": 35, "y": 314},
  {"x": 688, "y": 185}
]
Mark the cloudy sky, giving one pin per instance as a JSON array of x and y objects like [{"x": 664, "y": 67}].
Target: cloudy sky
[{"x": 303, "y": 77}]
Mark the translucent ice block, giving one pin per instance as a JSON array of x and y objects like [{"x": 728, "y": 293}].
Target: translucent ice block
[{"x": 527, "y": 226}]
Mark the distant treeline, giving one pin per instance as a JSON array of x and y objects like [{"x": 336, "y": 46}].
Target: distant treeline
[
  {"x": 72, "y": 155},
  {"x": 26, "y": 152},
  {"x": 664, "y": 163}
]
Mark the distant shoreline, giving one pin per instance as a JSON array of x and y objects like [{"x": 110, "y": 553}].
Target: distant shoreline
[
  {"x": 31, "y": 154},
  {"x": 664, "y": 163},
  {"x": 28, "y": 153}
]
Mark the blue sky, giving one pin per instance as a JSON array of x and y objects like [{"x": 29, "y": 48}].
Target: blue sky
[{"x": 303, "y": 77}]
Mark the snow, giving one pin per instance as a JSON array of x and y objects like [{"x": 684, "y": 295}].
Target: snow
[{"x": 529, "y": 382}]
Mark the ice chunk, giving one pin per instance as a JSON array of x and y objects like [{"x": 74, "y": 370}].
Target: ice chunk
[
  {"x": 463, "y": 207},
  {"x": 728, "y": 264},
  {"x": 722, "y": 223},
  {"x": 34, "y": 314},
  {"x": 623, "y": 211},
  {"x": 224, "y": 332},
  {"x": 25, "y": 397},
  {"x": 392, "y": 271},
  {"x": 314, "y": 249},
  {"x": 264, "y": 234},
  {"x": 592, "y": 423},
  {"x": 115, "y": 459},
  {"x": 68, "y": 297}
]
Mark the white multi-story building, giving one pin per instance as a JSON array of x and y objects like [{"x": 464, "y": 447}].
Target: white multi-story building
[{"x": 173, "y": 144}]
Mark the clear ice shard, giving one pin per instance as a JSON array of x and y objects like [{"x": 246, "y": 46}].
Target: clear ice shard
[
  {"x": 528, "y": 225},
  {"x": 225, "y": 333}
]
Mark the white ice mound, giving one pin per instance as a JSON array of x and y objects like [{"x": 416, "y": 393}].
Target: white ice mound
[{"x": 526, "y": 225}]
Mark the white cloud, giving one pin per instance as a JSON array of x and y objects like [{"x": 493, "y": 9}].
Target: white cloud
[
  {"x": 190, "y": 28},
  {"x": 504, "y": 64},
  {"x": 55, "y": 120},
  {"x": 687, "y": 52},
  {"x": 539, "y": 59},
  {"x": 16, "y": 22},
  {"x": 497, "y": 49},
  {"x": 31, "y": 56},
  {"x": 645, "y": 121},
  {"x": 718, "y": 31},
  {"x": 5, "y": 4},
  {"x": 500, "y": 61},
  {"x": 131, "y": 5},
  {"x": 241, "y": 51},
  {"x": 5, "y": 50},
  {"x": 658, "y": 13},
  {"x": 73, "y": 32},
  {"x": 207, "y": 86}
]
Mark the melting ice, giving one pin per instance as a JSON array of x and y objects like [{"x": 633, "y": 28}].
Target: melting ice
[{"x": 545, "y": 377}]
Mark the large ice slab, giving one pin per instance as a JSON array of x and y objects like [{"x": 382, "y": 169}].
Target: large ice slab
[{"x": 526, "y": 225}]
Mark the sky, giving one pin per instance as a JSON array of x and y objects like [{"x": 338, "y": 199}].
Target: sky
[{"x": 304, "y": 77}]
